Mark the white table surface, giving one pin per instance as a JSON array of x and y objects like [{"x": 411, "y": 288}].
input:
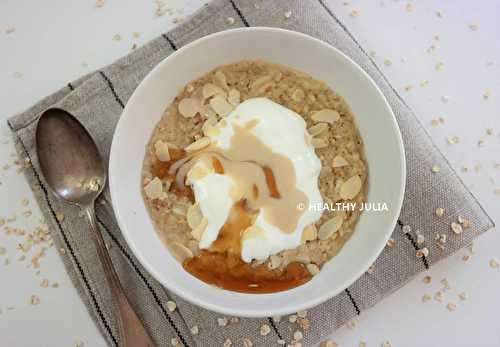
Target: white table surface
[{"x": 56, "y": 41}]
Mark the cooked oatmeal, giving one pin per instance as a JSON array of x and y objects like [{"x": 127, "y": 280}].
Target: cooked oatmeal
[{"x": 184, "y": 129}]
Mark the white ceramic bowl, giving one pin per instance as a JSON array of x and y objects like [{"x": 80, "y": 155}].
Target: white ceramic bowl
[{"x": 374, "y": 118}]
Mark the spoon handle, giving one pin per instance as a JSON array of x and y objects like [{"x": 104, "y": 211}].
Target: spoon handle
[{"x": 132, "y": 332}]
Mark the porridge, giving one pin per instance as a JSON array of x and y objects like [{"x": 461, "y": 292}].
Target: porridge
[{"x": 238, "y": 168}]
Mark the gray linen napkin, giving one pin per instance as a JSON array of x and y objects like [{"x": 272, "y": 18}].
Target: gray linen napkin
[{"x": 97, "y": 100}]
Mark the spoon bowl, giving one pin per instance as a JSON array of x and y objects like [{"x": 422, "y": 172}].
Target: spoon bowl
[{"x": 69, "y": 158}]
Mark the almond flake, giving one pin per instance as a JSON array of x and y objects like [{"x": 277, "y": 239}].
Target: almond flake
[
  {"x": 198, "y": 145},
  {"x": 161, "y": 151},
  {"x": 427, "y": 279},
  {"x": 234, "y": 97},
  {"x": 313, "y": 269},
  {"x": 326, "y": 115},
  {"x": 197, "y": 232},
  {"x": 310, "y": 233},
  {"x": 34, "y": 300},
  {"x": 194, "y": 215},
  {"x": 339, "y": 161},
  {"x": 451, "y": 306},
  {"x": 180, "y": 252},
  {"x": 319, "y": 143},
  {"x": 317, "y": 129},
  {"x": 274, "y": 262},
  {"x": 330, "y": 227},
  {"x": 189, "y": 107},
  {"x": 463, "y": 296},
  {"x": 210, "y": 90},
  {"x": 154, "y": 189},
  {"x": 220, "y": 79},
  {"x": 221, "y": 106},
  {"x": 350, "y": 188},
  {"x": 391, "y": 242}
]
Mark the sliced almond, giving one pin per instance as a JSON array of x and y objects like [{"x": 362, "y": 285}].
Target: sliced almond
[
  {"x": 220, "y": 79},
  {"x": 350, "y": 188},
  {"x": 210, "y": 90},
  {"x": 161, "y": 150},
  {"x": 339, "y": 161},
  {"x": 207, "y": 111},
  {"x": 301, "y": 258},
  {"x": 198, "y": 144},
  {"x": 221, "y": 106},
  {"x": 319, "y": 143},
  {"x": 154, "y": 189},
  {"x": 260, "y": 82},
  {"x": 194, "y": 215},
  {"x": 189, "y": 107},
  {"x": 298, "y": 95},
  {"x": 180, "y": 209},
  {"x": 234, "y": 97},
  {"x": 326, "y": 115},
  {"x": 200, "y": 228},
  {"x": 313, "y": 269},
  {"x": 310, "y": 233},
  {"x": 180, "y": 252},
  {"x": 275, "y": 262},
  {"x": 330, "y": 227},
  {"x": 318, "y": 129}
]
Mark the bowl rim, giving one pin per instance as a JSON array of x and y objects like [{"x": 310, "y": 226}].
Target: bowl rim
[{"x": 311, "y": 301}]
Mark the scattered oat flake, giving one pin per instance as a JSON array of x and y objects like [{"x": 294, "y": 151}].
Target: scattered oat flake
[
  {"x": 222, "y": 321},
  {"x": 292, "y": 318},
  {"x": 406, "y": 229},
  {"x": 302, "y": 314},
  {"x": 435, "y": 168},
  {"x": 351, "y": 324},
  {"x": 439, "y": 66},
  {"x": 79, "y": 343},
  {"x": 446, "y": 284},
  {"x": 453, "y": 140},
  {"x": 408, "y": 87},
  {"x": 423, "y": 252},
  {"x": 297, "y": 335},
  {"x": 227, "y": 343},
  {"x": 247, "y": 342},
  {"x": 288, "y": 14},
  {"x": 55, "y": 285},
  {"x": 387, "y": 62},
  {"x": 230, "y": 20},
  {"x": 18, "y": 74},
  {"x": 494, "y": 264},
  {"x": 174, "y": 341},
  {"x": 451, "y": 306},
  {"x": 195, "y": 330},
  {"x": 391, "y": 242},
  {"x": 463, "y": 296},
  {"x": 354, "y": 13},
  {"x": 171, "y": 306},
  {"x": 426, "y": 297},
  {"x": 328, "y": 343},
  {"x": 265, "y": 329},
  {"x": 466, "y": 257},
  {"x": 456, "y": 228},
  {"x": 490, "y": 131},
  {"x": 59, "y": 216},
  {"x": 34, "y": 300},
  {"x": 424, "y": 83},
  {"x": 438, "y": 296},
  {"x": 474, "y": 27},
  {"x": 44, "y": 283},
  {"x": 439, "y": 211},
  {"x": 386, "y": 344},
  {"x": 117, "y": 37}
]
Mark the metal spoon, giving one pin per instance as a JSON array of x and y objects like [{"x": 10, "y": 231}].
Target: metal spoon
[{"x": 75, "y": 172}]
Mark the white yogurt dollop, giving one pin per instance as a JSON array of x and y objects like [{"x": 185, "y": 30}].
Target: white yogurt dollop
[{"x": 285, "y": 133}]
